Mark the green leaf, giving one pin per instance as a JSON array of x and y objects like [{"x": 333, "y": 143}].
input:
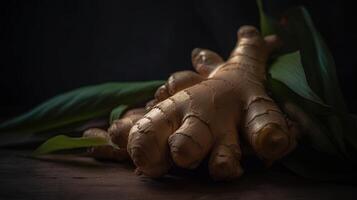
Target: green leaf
[
  {"x": 289, "y": 70},
  {"x": 316, "y": 58},
  {"x": 266, "y": 23},
  {"x": 70, "y": 109},
  {"x": 117, "y": 112},
  {"x": 335, "y": 138},
  {"x": 63, "y": 142},
  {"x": 321, "y": 76}
]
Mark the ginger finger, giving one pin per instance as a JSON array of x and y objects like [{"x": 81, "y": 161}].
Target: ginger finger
[
  {"x": 225, "y": 158},
  {"x": 265, "y": 125},
  {"x": 177, "y": 82},
  {"x": 117, "y": 135},
  {"x": 107, "y": 152},
  {"x": 266, "y": 129},
  {"x": 161, "y": 93},
  {"x": 190, "y": 143},
  {"x": 147, "y": 143},
  {"x": 205, "y": 61},
  {"x": 119, "y": 129},
  {"x": 134, "y": 111},
  {"x": 149, "y": 105}
]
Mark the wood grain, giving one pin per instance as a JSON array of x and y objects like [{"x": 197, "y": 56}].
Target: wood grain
[{"x": 73, "y": 177}]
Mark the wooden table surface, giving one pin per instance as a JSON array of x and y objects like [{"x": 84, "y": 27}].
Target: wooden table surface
[{"x": 73, "y": 177}]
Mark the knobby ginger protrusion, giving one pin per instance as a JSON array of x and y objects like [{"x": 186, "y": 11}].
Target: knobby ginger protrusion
[{"x": 211, "y": 112}]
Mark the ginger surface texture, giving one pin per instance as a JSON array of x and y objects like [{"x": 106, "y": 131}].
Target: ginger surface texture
[{"x": 209, "y": 113}]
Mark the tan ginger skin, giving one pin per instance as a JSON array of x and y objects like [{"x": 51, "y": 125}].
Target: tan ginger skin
[{"x": 196, "y": 115}]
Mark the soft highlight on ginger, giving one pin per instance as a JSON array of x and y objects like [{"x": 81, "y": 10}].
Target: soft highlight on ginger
[{"x": 209, "y": 113}]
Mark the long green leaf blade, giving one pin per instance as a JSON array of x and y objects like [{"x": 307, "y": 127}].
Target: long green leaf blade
[
  {"x": 117, "y": 112},
  {"x": 321, "y": 75},
  {"x": 337, "y": 138},
  {"x": 63, "y": 142},
  {"x": 316, "y": 58},
  {"x": 289, "y": 70},
  {"x": 74, "y": 107},
  {"x": 266, "y": 23}
]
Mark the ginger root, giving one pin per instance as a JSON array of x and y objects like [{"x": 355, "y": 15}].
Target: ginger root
[
  {"x": 117, "y": 135},
  {"x": 208, "y": 113}
]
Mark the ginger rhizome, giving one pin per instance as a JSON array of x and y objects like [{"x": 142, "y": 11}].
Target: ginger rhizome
[
  {"x": 209, "y": 113},
  {"x": 116, "y": 135}
]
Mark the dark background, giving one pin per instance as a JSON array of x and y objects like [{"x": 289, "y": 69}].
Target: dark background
[{"x": 49, "y": 47}]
